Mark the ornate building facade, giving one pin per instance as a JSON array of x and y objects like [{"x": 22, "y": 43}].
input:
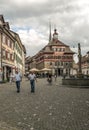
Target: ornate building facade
[
  {"x": 85, "y": 64},
  {"x": 12, "y": 51},
  {"x": 56, "y": 56}
]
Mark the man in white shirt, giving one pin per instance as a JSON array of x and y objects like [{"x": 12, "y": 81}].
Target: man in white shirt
[
  {"x": 32, "y": 78},
  {"x": 17, "y": 79}
]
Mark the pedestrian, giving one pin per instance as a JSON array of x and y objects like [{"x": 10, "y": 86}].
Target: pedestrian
[
  {"x": 18, "y": 78},
  {"x": 11, "y": 77},
  {"x": 55, "y": 76},
  {"x": 49, "y": 79},
  {"x": 32, "y": 78}
]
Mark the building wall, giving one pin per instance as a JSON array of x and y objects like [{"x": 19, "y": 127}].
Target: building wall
[
  {"x": 85, "y": 64},
  {"x": 11, "y": 57},
  {"x": 55, "y": 56},
  {"x": 85, "y": 68},
  {"x": 0, "y": 51},
  {"x": 59, "y": 62}
]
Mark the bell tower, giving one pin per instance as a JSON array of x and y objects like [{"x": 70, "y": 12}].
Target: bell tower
[{"x": 55, "y": 35}]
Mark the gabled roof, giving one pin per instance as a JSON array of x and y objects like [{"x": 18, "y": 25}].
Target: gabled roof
[
  {"x": 2, "y": 18},
  {"x": 46, "y": 49},
  {"x": 57, "y": 43},
  {"x": 4, "y": 24}
]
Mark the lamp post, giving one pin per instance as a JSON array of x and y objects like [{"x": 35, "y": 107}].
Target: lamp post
[
  {"x": 1, "y": 57},
  {"x": 57, "y": 68}
]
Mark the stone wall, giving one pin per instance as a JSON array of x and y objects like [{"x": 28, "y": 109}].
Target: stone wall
[{"x": 76, "y": 82}]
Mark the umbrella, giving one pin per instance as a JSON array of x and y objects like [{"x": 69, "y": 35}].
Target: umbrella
[
  {"x": 34, "y": 69},
  {"x": 46, "y": 69}
]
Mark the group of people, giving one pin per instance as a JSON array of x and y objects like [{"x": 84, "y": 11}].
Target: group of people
[
  {"x": 32, "y": 77},
  {"x": 18, "y": 78}
]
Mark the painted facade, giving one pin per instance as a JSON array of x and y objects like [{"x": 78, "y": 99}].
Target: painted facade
[
  {"x": 12, "y": 52},
  {"x": 56, "y": 56},
  {"x": 85, "y": 64}
]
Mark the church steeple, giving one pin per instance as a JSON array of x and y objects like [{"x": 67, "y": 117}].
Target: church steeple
[{"x": 50, "y": 37}]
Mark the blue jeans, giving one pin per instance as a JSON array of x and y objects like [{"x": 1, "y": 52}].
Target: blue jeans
[
  {"x": 18, "y": 86},
  {"x": 32, "y": 82}
]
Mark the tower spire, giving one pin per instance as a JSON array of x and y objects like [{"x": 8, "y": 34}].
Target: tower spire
[{"x": 50, "y": 31}]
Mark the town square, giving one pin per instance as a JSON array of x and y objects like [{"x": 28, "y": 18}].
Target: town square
[
  {"x": 51, "y": 107},
  {"x": 44, "y": 65}
]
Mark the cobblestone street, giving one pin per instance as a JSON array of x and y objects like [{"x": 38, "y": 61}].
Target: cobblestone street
[{"x": 51, "y": 107}]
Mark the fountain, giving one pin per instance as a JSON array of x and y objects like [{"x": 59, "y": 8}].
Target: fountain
[{"x": 80, "y": 80}]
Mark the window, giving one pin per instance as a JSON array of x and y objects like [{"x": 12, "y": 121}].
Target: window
[
  {"x": 61, "y": 63},
  {"x": 3, "y": 39},
  {"x": 66, "y": 64},
  {"x": 54, "y": 49},
  {"x": 50, "y": 63},
  {"x": 8, "y": 55},
  {"x": 3, "y": 52},
  {"x": 8, "y": 42},
  {"x": 63, "y": 49},
  {"x": 66, "y": 71},
  {"x": 58, "y": 63},
  {"x": 55, "y": 63},
  {"x": 12, "y": 45},
  {"x": 60, "y": 49}
]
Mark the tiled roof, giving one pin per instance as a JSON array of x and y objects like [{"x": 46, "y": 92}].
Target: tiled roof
[{"x": 57, "y": 42}]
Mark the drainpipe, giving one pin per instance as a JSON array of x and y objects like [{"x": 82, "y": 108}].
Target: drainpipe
[{"x": 1, "y": 58}]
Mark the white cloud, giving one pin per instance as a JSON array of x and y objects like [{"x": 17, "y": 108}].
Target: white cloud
[
  {"x": 20, "y": 2},
  {"x": 30, "y": 19},
  {"x": 34, "y": 41}
]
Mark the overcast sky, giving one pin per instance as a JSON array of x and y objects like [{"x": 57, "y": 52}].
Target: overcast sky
[{"x": 30, "y": 19}]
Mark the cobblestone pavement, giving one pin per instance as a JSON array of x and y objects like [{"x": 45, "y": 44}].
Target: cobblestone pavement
[{"x": 51, "y": 107}]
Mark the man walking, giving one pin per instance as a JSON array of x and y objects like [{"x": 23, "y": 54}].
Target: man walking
[
  {"x": 32, "y": 78},
  {"x": 18, "y": 78}
]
